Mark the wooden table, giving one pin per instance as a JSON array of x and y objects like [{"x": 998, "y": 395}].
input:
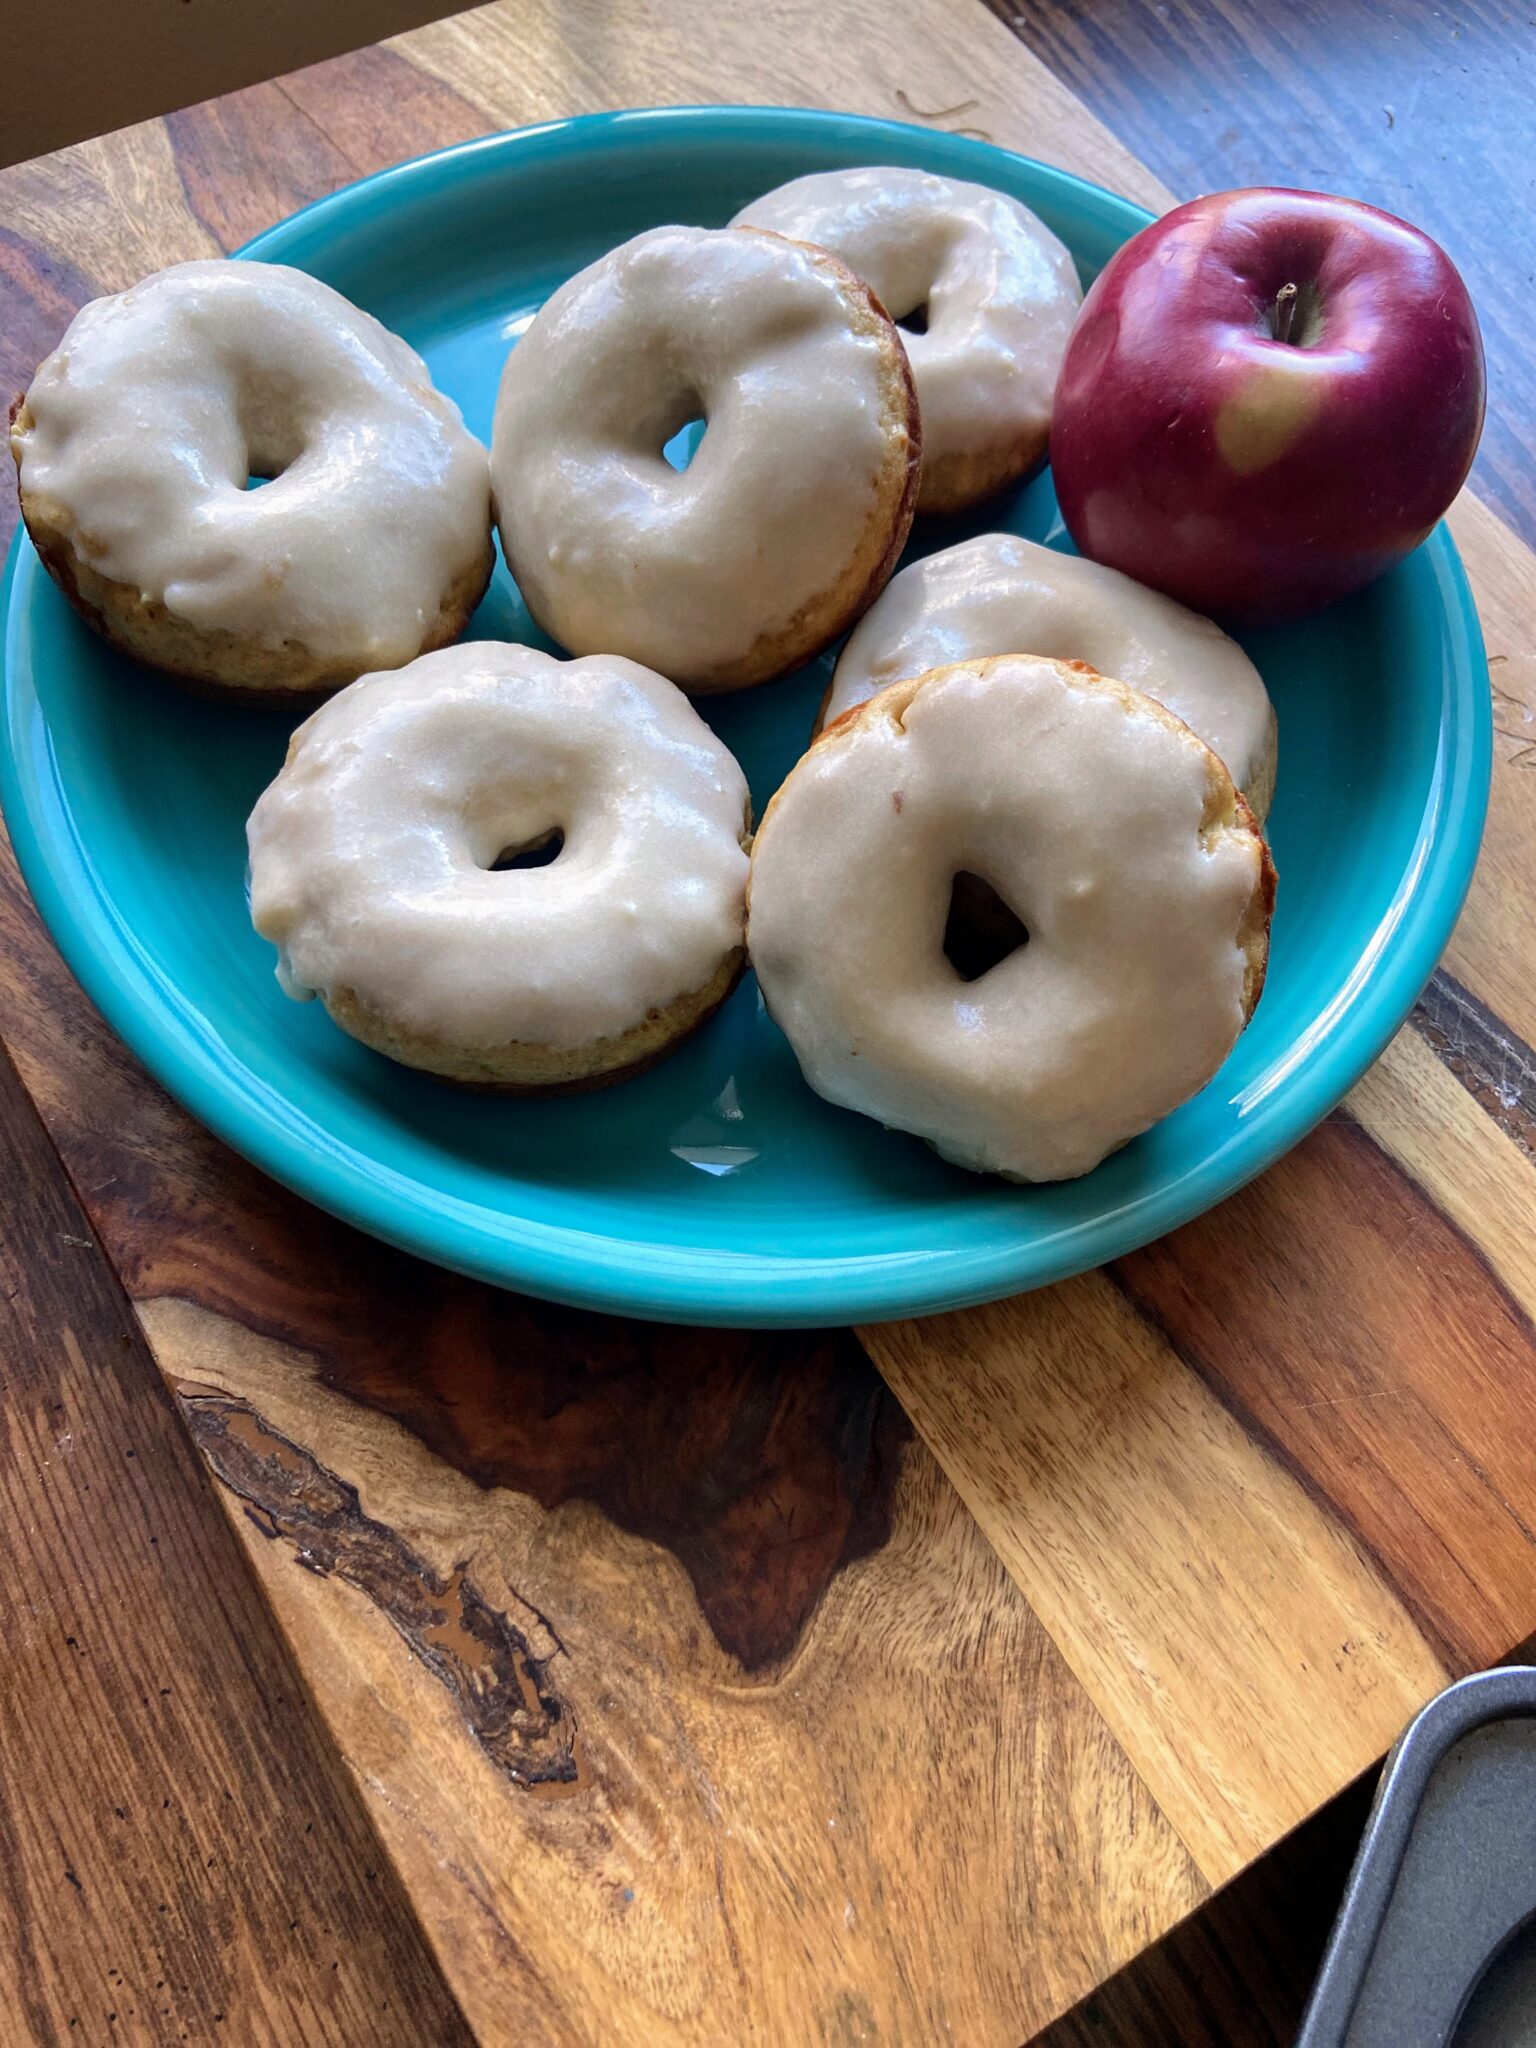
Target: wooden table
[{"x": 546, "y": 1679}]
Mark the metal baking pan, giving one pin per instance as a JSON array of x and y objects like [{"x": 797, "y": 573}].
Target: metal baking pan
[{"x": 1435, "y": 1943}]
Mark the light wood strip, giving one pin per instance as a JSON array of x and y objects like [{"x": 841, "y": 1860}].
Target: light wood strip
[
  {"x": 953, "y": 64},
  {"x": 1367, "y": 1345},
  {"x": 1491, "y": 951},
  {"x": 115, "y": 207},
  {"x": 1249, "y": 1660},
  {"x": 1417, "y": 1110}
]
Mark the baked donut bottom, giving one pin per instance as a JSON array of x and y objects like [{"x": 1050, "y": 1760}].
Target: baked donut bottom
[
  {"x": 210, "y": 661},
  {"x": 961, "y": 480},
  {"x": 544, "y": 1070},
  {"x": 1260, "y": 793}
]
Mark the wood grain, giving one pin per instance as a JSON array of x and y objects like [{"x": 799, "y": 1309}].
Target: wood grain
[
  {"x": 1240, "y": 1645},
  {"x": 716, "y": 1822},
  {"x": 191, "y": 1856},
  {"x": 690, "y": 1698},
  {"x": 1490, "y": 954},
  {"x": 1236, "y": 1974},
  {"x": 1333, "y": 1392},
  {"x": 1428, "y": 1103}
]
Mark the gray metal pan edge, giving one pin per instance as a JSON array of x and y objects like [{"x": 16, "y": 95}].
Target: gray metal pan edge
[{"x": 1445, "y": 1875}]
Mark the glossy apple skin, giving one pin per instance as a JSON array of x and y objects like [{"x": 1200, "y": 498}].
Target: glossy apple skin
[{"x": 1256, "y": 477}]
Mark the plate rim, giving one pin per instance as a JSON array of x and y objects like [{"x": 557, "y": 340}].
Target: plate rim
[{"x": 711, "y": 1285}]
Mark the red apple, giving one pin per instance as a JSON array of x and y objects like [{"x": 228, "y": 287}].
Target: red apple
[{"x": 1269, "y": 397}]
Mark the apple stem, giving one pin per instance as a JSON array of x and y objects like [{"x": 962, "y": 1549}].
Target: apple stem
[{"x": 1284, "y": 312}]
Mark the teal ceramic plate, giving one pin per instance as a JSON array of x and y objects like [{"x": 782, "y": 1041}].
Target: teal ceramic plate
[{"x": 716, "y": 1188}]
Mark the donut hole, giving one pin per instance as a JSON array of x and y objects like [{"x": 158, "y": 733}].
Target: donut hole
[
  {"x": 915, "y": 322},
  {"x": 264, "y": 464},
  {"x": 981, "y": 931},
  {"x": 680, "y": 448},
  {"x": 534, "y": 853},
  {"x": 274, "y": 433}
]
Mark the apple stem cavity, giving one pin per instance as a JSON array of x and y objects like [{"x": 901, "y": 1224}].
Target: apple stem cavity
[{"x": 1283, "y": 313}]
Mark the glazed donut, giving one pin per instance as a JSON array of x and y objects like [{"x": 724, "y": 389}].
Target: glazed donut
[
  {"x": 997, "y": 289},
  {"x": 378, "y": 866},
  {"x": 139, "y": 433},
  {"x": 795, "y": 506},
  {"x": 1117, "y": 837},
  {"x": 998, "y": 594}
]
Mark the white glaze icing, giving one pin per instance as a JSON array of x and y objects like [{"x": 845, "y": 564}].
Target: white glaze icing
[
  {"x": 1000, "y": 289},
  {"x": 999, "y": 594},
  {"x": 159, "y": 403},
  {"x": 371, "y": 854},
  {"x": 611, "y": 547},
  {"x": 1085, "y": 816}
]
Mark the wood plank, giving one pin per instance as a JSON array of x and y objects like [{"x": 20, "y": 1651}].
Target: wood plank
[
  {"x": 995, "y": 1913},
  {"x": 1429, "y": 1107},
  {"x": 1491, "y": 951},
  {"x": 195, "y": 1857},
  {"x": 1425, "y": 1450}
]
